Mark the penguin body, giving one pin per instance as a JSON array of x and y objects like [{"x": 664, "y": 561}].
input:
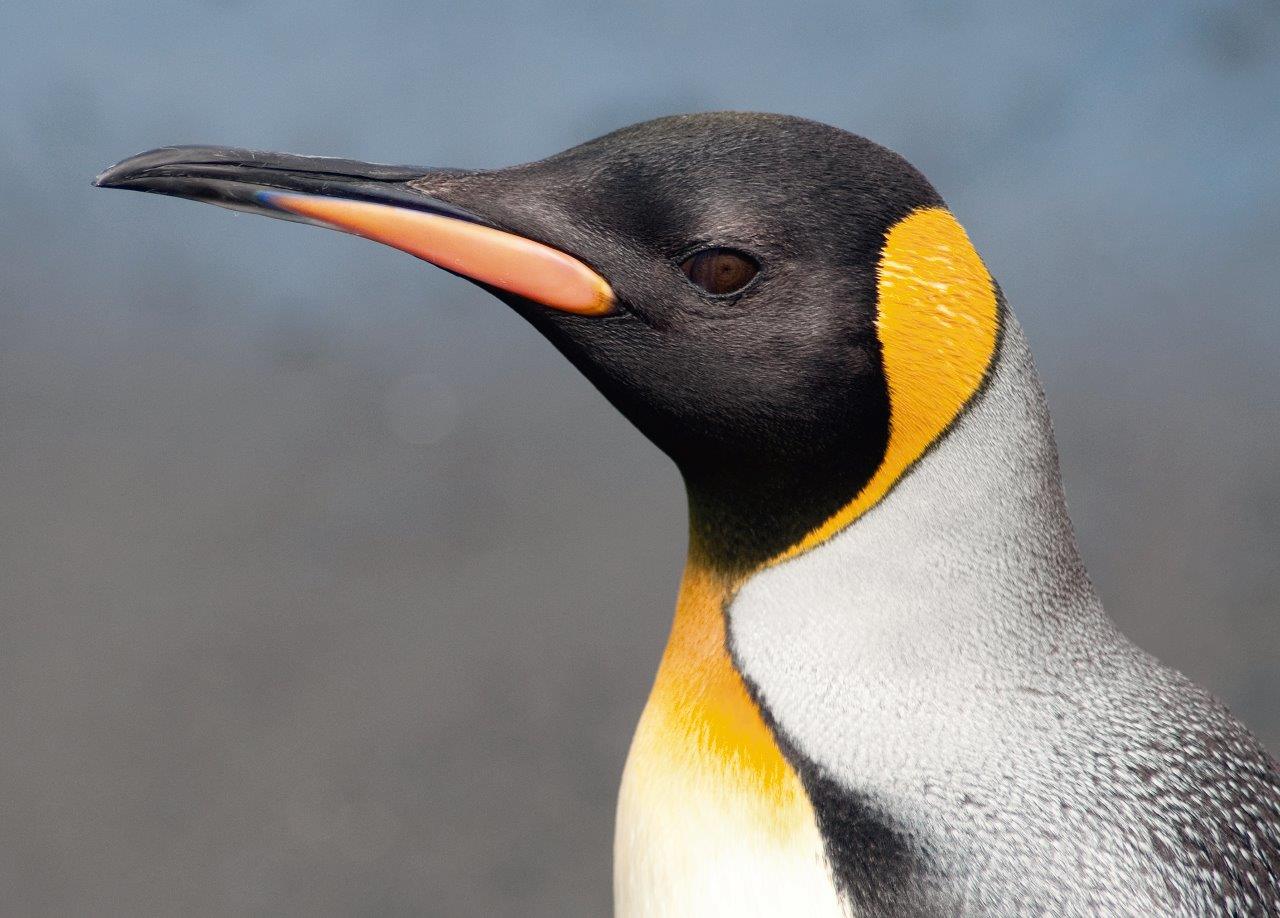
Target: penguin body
[
  {"x": 890, "y": 687},
  {"x": 987, "y": 742}
]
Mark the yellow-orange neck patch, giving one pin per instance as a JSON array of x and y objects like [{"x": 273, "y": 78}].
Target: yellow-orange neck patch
[{"x": 701, "y": 721}]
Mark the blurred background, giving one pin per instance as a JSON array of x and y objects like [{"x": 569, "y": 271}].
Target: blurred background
[{"x": 328, "y": 588}]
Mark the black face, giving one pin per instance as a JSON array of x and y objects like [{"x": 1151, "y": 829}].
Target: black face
[
  {"x": 741, "y": 250},
  {"x": 770, "y": 398}
]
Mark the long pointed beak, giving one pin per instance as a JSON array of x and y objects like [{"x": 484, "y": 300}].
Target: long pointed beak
[{"x": 373, "y": 201}]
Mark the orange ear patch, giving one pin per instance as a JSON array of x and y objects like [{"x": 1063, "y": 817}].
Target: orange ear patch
[{"x": 938, "y": 322}]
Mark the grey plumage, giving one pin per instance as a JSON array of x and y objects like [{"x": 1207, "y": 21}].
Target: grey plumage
[{"x": 973, "y": 723}]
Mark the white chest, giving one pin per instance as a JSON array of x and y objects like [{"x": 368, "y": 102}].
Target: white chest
[{"x": 692, "y": 841}]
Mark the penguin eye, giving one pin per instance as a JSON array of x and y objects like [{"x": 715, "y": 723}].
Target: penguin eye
[{"x": 720, "y": 271}]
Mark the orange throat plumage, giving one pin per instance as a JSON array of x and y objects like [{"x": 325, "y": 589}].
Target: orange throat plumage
[{"x": 701, "y": 719}]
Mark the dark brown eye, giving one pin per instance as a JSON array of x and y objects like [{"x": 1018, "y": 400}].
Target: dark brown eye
[{"x": 720, "y": 271}]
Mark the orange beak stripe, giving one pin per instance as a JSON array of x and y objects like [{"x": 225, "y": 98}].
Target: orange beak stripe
[{"x": 504, "y": 260}]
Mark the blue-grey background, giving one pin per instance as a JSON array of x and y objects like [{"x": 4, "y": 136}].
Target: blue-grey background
[{"x": 327, "y": 588}]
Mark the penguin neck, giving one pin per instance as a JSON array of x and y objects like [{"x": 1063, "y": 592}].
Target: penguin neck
[
  {"x": 948, "y": 566},
  {"x": 927, "y": 620},
  {"x": 969, "y": 561},
  {"x": 742, "y": 514},
  {"x": 988, "y": 486},
  {"x": 982, "y": 511}
]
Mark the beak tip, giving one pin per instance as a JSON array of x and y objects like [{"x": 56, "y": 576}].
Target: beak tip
[
  {"x": 121, "y": 174},
  {"x": 118, "y": 174},
  {"x": 108, "y": 177}
]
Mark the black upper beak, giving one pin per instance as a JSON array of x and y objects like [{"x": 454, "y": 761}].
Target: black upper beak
[{"x": 234, "y": 178}]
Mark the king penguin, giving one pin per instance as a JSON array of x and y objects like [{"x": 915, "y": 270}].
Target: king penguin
[{"x": 890, "y": 688}]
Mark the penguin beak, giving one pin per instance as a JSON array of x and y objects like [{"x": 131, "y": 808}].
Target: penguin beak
[{"x": 374, "y": 201}]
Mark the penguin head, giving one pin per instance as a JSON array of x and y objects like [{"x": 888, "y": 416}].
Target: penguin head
[{"x": 719, "y": 278}]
